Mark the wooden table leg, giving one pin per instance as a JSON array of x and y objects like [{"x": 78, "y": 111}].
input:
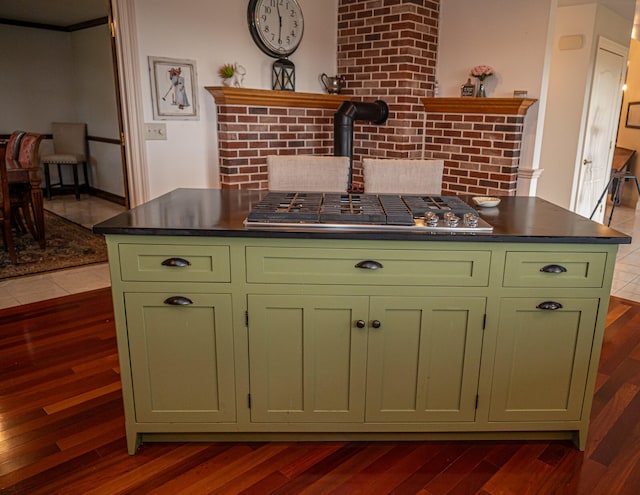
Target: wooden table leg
[{"x": 38, "y": 214}]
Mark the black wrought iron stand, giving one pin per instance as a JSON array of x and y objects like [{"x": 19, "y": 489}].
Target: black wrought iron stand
[{"x": 618, "y": 179}]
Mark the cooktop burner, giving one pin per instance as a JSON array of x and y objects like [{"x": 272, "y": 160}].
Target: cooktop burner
[{"x": 301, "y": 211}]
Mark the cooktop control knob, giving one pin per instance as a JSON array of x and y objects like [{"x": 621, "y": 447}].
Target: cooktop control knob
[
  {"x": 431, "y": 219},
  {"x": 451, "y": 219},
  {"x": 470, "y": 220}
]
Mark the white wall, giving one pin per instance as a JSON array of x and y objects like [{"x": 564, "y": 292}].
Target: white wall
[
  {"x": 569, "y": 93},
  {"x": 94, "y": 99},
  {"x": 37, "y": 79},
  {"x": 509, "y": 35},
  {"x": 214, "y": 32},
  {"x": 513, "y": 37}
]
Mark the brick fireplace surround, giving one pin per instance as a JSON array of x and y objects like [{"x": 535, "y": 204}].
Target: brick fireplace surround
[{"x": 386, "y": 51}]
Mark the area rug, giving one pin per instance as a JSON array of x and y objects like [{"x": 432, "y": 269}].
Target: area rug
[{"x": 68, "y": 245}]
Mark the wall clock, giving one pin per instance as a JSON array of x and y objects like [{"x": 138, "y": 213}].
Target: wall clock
[{"x": 276, "y": 26}]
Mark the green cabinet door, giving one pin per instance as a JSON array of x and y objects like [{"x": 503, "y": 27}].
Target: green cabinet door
[
  {"x": 181, "y": 357},
  {"x": 307, "y": 358},
  {"x": 542, "y": 359},
  {"x": 424, "y": 358}
]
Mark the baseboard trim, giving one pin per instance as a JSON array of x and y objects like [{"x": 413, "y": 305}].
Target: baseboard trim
[{"x": 114, "y": 198}]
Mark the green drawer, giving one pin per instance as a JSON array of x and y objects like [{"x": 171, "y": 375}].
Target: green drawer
[
  {"x": 268, "y": 265},
  {"x": 144, "y": 262},
  {"x": 563, "y": 269}
]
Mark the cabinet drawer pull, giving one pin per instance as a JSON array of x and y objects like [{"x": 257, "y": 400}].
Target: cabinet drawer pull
[
  {"x": 176, "y": 262},
  {"x": 178, "y": 301},
  {"x": 376, "y": 324},
  {"x": 361, "y": 324},
  {"x": 549, "y": 305},
  {"x": 553, "y": 269},
  {"x": 369, "y": 265}
]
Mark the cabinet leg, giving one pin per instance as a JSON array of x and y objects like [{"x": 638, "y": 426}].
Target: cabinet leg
[
  {"x": 134, "y": 441},
  {"x": 580, "y": 439}
]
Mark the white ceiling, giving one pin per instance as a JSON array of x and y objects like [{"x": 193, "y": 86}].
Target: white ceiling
[{"x": 54, "y": 12}]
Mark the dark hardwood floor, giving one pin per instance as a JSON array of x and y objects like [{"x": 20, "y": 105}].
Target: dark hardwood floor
[{"x": 62, "y": 429}]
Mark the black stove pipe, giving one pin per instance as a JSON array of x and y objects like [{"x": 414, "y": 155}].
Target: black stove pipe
[{"x": 348, "y": 112}]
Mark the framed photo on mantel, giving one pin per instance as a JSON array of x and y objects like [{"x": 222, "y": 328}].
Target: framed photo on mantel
[
  {"x": 468, "y": 89},
  {"x": 174, "y": 88},
  {"x": 633, "y": 115}
]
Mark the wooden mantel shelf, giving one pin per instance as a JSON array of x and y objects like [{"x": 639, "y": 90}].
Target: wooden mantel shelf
[
  {"x": 271, "y": 98},
  {"x": 501, "y": 106}
]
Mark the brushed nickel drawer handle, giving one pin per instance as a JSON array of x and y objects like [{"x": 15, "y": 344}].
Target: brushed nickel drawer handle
[
  {"x": 549, "y": 305},
  {"x": 178, "y": 301},
  {"x": 369, "y": 265},
  {"x": 553, "y": 269},
  {"x": 176, "y": 262}
]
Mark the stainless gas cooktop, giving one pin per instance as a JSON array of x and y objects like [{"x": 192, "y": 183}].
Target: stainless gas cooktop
[{"x": 364, "y": 212}]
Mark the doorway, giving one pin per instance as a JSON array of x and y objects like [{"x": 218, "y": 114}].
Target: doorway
[{"x": 63, "y": 69}]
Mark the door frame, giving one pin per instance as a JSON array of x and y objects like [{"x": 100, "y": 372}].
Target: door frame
[{"x": 123, "y": 31}]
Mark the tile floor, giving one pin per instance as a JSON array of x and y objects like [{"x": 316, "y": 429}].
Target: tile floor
[
  {"x": 626, "y": 278},
  {"x": 91, "y": 210},
  {"x": 23, "y": 290}
]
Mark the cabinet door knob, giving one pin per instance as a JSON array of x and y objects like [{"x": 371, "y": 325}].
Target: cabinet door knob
[
  {"x": 361, "y": 324},
  {"x": 178, "y": 301},
  {"x": 553, "y": 269},
  {"x": 549, "y": 305},
  {"x": 369, "y": 265},
  {"x": 376, "y": 324},
  {"x": 176, "y": 262}
]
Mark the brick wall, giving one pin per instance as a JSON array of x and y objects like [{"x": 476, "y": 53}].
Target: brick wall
[
  {"x": 248, "y": 134},
  {"x": 481, "y": 152},
  {"x": 387, "y": 51},
  {"x": 480, "y": 141}
]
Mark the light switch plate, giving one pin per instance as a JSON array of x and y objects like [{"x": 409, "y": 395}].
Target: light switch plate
[{"x": 155, "y": 131}]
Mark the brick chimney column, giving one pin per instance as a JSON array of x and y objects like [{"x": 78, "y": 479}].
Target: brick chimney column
[{"x": 387, "y": 51}]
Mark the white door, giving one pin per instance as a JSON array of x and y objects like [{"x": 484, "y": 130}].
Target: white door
[{"x": 602, "y": 122}]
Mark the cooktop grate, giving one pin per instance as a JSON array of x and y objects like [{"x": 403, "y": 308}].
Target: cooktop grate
[{"x": 337, "y": 208}]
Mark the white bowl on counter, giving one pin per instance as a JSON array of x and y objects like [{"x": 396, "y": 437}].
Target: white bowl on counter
[{"x": 486, "y": 201}]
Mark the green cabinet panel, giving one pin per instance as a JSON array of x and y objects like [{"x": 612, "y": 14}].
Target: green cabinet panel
[
  {"x": 542, "y": 359},
  {"x": 307, "y": 358},
  {"x": 450, "y": 268},
  {"x": 183, "y": 366},
  {"x": 572, "y": 269},
  {"x": 143, "y": 262},
  {"x": 424, "y": 359}
]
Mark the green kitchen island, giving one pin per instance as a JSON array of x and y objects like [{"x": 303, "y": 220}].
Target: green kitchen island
[{"x": 227, "y": 333}]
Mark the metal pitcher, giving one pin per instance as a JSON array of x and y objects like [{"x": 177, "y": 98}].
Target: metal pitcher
[{"x": 334, "y": 84}]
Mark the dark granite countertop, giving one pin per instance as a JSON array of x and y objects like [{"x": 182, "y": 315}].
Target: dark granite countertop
[{"x": 220, "y": 213}]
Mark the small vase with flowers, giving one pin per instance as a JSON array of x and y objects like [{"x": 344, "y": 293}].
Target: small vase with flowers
[{"x": 481, "y": 72}]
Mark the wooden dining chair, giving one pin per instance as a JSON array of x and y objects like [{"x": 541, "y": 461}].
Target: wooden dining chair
[
  {"x": 70, "y": 148},
  {"x": 24, "y": 187},
  {"x": 12, "y": 147},
  {"x": 5, "y": 214}
]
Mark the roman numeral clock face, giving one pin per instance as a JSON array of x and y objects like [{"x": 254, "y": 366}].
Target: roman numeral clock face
[{"x": 276, "y": 26}]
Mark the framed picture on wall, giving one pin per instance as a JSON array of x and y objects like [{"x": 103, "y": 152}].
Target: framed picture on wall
[
  {"x": 633, "y": 115},
  {"x": 174, "y": 88}
]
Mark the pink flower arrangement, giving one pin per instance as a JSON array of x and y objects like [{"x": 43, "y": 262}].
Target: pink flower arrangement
[{"x": 482, "y": 71}]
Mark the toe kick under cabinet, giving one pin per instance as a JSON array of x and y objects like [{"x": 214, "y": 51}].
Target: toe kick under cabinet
[{"x": 258, "y": 338}]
